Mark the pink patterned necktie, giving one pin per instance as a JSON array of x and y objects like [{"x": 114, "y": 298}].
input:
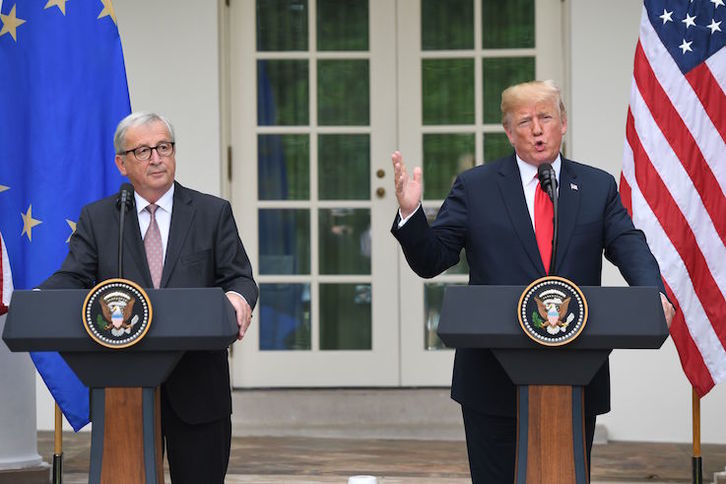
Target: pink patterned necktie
[{"x": 154, "y": 251}]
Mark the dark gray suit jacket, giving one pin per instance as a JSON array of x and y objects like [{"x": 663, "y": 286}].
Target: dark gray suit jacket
[
  {"x": 486, "y": 214},
  {"x": 203, "y": 250}
]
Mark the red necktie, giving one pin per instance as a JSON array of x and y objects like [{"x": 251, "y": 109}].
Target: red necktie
[{"x": 543, "y": 215}]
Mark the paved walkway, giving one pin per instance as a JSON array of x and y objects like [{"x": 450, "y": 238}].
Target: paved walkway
[{"x": 298, "y": 460}]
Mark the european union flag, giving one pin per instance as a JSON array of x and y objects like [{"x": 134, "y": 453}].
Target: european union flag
[{"x": 62, "y": 92}]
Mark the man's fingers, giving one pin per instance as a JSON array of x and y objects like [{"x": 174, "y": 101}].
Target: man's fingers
[
  {"x": 668, "y": 310},
  {"x": 417, "y": 174}
]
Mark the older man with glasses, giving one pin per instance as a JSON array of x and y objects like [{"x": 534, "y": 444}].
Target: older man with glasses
[{"x": 189, "y": 240}]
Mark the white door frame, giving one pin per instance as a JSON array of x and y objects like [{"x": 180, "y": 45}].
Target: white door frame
[{"x": 379, "y": 366}]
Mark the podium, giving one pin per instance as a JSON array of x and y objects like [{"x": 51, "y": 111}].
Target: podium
[
  {"x": 126, "y": 434},
  {"x": 550, "y": 404}
]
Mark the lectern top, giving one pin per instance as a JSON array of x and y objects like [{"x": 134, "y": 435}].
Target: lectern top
[{"x": 184, "y": 320}]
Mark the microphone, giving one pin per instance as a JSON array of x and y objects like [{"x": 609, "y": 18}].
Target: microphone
[
  {"x": 125, "y": 196},
  {"x": 124, "y": 202},
  {"x": 548, "y": 182}
]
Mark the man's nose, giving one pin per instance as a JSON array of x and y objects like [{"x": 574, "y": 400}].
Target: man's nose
[
  {"x": 155, "y": 158},
  {"x": 536, "y": 127}
]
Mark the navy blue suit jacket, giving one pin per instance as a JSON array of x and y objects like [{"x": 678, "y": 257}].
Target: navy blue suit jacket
[
  {"x": 486, "y": 214},
  {"x": 203, "y": 250}
]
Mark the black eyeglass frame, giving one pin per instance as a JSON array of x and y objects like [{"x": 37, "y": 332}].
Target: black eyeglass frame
[{"x": 151, "y": 150}]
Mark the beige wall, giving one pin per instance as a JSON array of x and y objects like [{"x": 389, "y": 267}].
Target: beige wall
[
  {"x": 171, "y": 51},
  {"x": 172, "y": 64}
]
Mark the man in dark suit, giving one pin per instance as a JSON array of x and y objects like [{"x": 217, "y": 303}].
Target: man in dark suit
[
  {"x": 175, "y": 237},
  {"x": 491, "y": 212}
]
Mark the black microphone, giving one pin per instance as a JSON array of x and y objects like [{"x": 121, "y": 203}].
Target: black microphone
[
  {"x": 125, "y": 196},
  {"x": 124, "y": 202},
  {"x": 548, "y": 182}
]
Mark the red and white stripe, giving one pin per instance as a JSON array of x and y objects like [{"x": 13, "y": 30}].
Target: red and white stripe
[
  {"x": 6, "y": 278},
  {"x": 674, "y": 184}
]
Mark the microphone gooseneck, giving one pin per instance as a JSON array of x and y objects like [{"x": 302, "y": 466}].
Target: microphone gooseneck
[
  {"x": 548, "y": 182},
  {"x": 124, "y": 202}
]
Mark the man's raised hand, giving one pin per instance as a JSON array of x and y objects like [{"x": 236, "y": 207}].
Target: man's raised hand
[{"x": 408, "y": 190}]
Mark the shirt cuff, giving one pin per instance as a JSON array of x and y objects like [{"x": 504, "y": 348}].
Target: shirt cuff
[
  {"x": 238, "y": 294},
  {"x": 402, "y": 220}
]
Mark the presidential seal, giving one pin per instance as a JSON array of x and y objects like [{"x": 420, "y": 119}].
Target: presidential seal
[
  {"x": 117, "y": 313},
  {"x": 552, "y": 311}
]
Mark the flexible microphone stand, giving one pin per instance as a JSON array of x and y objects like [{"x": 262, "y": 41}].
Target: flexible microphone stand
[{"x": 125, "y": 202}]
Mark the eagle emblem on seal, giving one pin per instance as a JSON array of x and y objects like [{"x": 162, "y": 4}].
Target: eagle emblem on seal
[
  {"x": 552, "y": 308},
  {"x": 117, "y": 309}
]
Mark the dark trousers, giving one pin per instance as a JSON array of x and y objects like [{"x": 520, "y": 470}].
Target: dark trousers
[
  {"x": 196, "y": 453},
  {"x": 491, "y": 442}
]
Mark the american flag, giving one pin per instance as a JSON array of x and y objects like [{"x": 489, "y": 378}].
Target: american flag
[{"x": 674, "y": 171}]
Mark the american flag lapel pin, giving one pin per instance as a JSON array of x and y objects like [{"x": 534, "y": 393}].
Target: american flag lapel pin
[{"x": 573, "y": 187}]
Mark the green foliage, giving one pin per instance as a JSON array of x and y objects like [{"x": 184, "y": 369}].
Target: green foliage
[{"x": 537, "y": 321}]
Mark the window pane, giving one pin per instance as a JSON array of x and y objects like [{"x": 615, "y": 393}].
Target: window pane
[
  {"x": 496, "y": 145},
  {"x": 282, "y": 92},
  {"x": 433, "y": 298},
  {"x": 507, "y": 25},
  {"x": 445, "y": 156},
  {"x": 499, "y": 74},
  {"x": 343, "y": 93},
  {"x": 282, "y": 25},
  {"x": 345, "y": 240},
  {"x": 345, "y": 317},
  {"x": 284, "y": 241},
  {"x": 285, "y": 317},
  {"x": 344, "y": 166},
  {"x": 462, "y": 267},
  {"x": 448, "y": 91},
  {"x": 342, "y": 24},
  {"x": 283, "y": 163},
  {"x": 447, "y": 25}
]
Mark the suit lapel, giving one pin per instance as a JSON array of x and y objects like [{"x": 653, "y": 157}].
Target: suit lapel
[
  {"x": 182, "y": 215},
  {"x": 569, "y": 206},
  {"x": 510, "y": 187}
]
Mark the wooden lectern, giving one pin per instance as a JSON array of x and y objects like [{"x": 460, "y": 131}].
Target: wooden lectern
[
  {"x": 550, "y": 413},
  {"x": 124, "y": 383}
]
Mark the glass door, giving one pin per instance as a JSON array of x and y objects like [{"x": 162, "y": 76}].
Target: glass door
[
  {"x": 455, "y": 58},
  {"x": 313, "y": 123}
]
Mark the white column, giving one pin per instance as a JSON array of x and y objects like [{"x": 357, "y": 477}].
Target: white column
[{"x": 18, "y": 438}]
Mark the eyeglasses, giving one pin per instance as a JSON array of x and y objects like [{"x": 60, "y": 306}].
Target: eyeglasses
[{"x": 143, "y": 153}]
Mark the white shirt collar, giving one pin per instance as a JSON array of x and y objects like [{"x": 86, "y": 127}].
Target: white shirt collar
[
  {"x": 165, "y": 202},
  {"x": 529, "y": 172}
]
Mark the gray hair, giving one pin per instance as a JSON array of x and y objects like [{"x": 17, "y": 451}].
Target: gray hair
[{"x": 138, "y": 119}]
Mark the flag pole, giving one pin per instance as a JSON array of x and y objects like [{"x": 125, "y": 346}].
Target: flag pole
[
  {"x": 58, "y": 447},
  {"x": 696, "y": 461}
]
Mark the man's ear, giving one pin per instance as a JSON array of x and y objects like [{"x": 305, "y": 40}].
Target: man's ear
[
  {"x": 120, "y": 164},
  {"x": 509, "y": 134}
]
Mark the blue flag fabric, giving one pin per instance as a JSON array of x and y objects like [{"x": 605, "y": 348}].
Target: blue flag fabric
[{"x": 62, "y": 92}]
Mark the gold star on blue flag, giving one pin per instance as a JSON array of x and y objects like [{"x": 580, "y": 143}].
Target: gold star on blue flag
[{"x": 62, "y": 91}]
